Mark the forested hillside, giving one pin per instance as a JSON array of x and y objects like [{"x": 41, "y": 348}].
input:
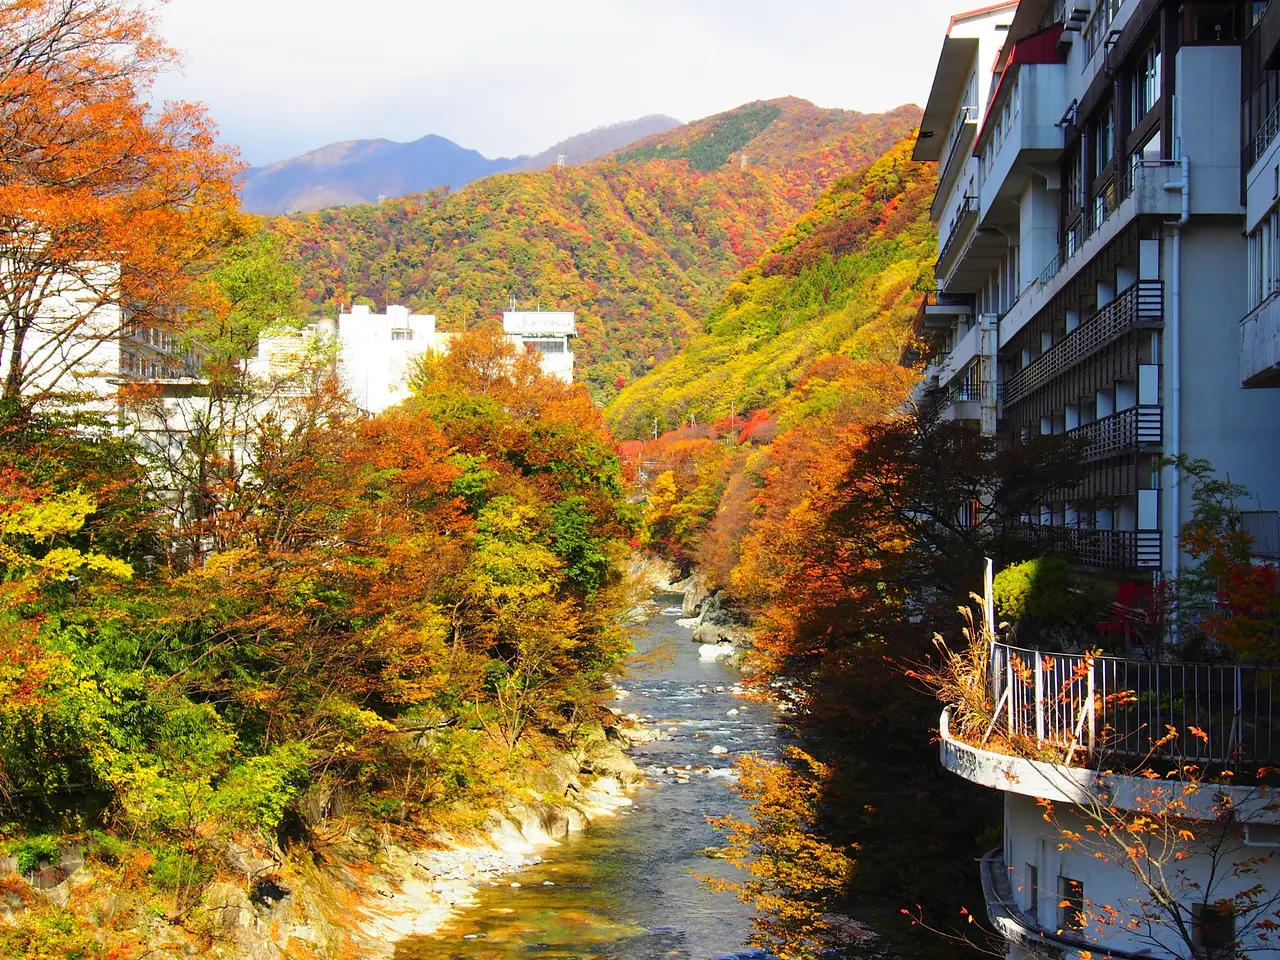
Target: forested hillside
[
  {"x": 640, "y": 245},
  {"x": 843, "y": 282}
]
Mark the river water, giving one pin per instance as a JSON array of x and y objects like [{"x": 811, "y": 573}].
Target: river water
[{"x": 625, "y": 888}]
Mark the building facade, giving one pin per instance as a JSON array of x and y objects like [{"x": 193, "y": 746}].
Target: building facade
[
  {"x": 1108, "y": 215},
  {"x": 1092, "y": 257},
  {"x": 548, "y": 332},
  {"x": 81, "y": 347}
]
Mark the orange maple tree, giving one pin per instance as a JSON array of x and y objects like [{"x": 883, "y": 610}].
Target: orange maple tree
[{"x": 105, "y": 199}]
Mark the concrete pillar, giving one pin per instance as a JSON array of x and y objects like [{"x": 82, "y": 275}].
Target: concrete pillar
[
  {"x": 1037, "y": 228},
  {"x": 1148, "y": 510},
  {"x": 1148, "y": 259}
]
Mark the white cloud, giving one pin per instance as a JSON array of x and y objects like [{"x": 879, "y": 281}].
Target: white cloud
[{"x": 505, "y": 77}]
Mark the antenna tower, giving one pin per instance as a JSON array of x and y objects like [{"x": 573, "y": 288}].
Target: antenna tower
[{"x": 561, "y": 159}]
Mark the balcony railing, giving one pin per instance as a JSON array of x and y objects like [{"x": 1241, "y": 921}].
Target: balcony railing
[
  {"x": 967, "y": 211},
  {"x": 1100, "y": 209},
  {"x": 1103, "y": 549},
  {"x": 962, "y": 133},
  {"x": 1141, "y": 305},
  {"x": 1266, "y": 133},
  {"x": 1108, "y": 706},
  {"x": 1133, "y": 429}
]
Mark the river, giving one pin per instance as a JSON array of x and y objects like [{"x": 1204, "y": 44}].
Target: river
[{"x": 625, "y": 888}]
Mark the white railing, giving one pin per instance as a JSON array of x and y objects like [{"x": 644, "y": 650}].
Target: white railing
[{"x": 1109, "y": 706}]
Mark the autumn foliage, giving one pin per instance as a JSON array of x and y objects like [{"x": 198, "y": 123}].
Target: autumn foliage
[{"x": 640, "y": 245}]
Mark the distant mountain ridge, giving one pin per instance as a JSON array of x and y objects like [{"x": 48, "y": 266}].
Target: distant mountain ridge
[
  {"x": 598, "y": 143},
  {"x": 360, "y": 171}
]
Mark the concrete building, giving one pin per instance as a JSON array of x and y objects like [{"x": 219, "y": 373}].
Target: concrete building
[
  {"x": 377, "y": 353},
  {"x": 1092, "y": 257},
  {"x": 550, "y": 333},
  {"x": 1103, "y": 230},
  {"x": 79, "y": 350}
]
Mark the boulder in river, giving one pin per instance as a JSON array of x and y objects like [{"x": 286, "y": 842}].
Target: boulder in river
[
  {"x": 695, "y": 593},
  {"x": 716, "y": 651}
]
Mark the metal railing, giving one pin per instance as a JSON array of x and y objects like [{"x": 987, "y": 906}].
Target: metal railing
[
  {"x": 1140, "y": 305},
  {"x": 1266, "y": 133},
  {"x": 1141, "y": 426},
  {"x": 968, "y": 116},
  {"x": 968, "y": 207},
  {"x": 1098, "y": 211},
  {"x": 1103, "y": 549},
  {"x": 1109, "y": 706}
]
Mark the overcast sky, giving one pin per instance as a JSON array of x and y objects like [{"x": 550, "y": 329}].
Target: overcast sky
[{"x": 507, "y": 77}]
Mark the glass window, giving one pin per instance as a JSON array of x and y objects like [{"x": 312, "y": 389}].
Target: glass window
[
  {"x": 1104, "y": 139},
  {"x": 1146, "y": 82},
  {"x": 402, "y": 334},
  {"x": 1215, "y": 926}
]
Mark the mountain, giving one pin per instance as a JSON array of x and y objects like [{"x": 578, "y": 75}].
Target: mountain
[
  {"x": 597, "y": 143},
  {"x": 359, "y": 171},
  {"x": 640, "y": 244},
  {"x": 815, "y": 319}
]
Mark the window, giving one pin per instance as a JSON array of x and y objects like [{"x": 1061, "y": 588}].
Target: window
[
  {"x": 1104, "y": 139},
  {"x": 1074, "y": 181},
  {"x": 1070, "y": 904},
  {"x": 1031, "y": 892},
  {"x": 1264, "y": 259},
  {"x": 1146, "y": 82},
  {"x": 550, "y": 346},
  {"x": 401, "y": 334},
  {"x": 1215, "y": 926}
]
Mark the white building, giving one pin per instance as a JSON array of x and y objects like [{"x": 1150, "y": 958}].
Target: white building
[
  {"x": 549, "y": 333},
  {"x": 1092, "y": 274},
  {"x": 1092, "y": 267},
  {"x": 78, "y": 350},
  {"x": 377, "y": 353}
]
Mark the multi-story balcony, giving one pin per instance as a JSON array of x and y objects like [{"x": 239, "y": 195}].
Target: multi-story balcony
[
  {"x": 1102, "y": 549},
  {"x": 1140, "y": 306},
  {"x": 1136, "y": 429},
  {"x": 1260, "y": 344}
]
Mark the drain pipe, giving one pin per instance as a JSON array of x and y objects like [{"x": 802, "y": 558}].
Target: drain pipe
[{"x": 1173, "y": 364}]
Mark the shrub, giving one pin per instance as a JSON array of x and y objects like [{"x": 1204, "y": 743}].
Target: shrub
[
  {"x": 32, "y": 851},
  {"x": 1046, "y": 594}
]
